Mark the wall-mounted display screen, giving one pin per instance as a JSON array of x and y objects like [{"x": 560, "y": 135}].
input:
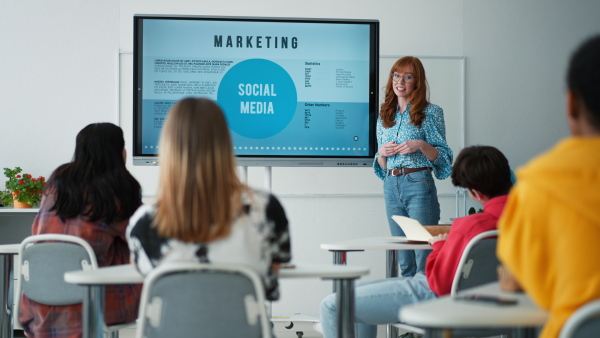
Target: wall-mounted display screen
[{"x": 295, "y": 92}]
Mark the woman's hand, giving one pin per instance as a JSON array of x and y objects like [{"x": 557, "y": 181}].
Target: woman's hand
[
  {"x": 410, "y": 146},
  {"x": 389, "y": 149}
]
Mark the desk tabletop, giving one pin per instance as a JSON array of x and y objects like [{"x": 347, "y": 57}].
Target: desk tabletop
[
  {"x": 374, "y": 243},
  {"x": 117, "y": 274},
  {"x": 11, "y": 210},
  {"x": 327, "y": 271},
  {"x": 9, "y": 248},
  {"x": 448, "y": 312},
  {"x": 127, "y": 274}
]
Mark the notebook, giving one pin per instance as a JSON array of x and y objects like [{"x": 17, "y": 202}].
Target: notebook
[{"x": 416, "y": 232}]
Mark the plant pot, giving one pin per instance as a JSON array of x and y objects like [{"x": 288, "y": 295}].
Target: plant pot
[{"x": 21, "y": 205}]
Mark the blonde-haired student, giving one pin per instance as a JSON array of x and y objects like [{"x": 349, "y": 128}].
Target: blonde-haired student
[{"x": 203, "y": 213}]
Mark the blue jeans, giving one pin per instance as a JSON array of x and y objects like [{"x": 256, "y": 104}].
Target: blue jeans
[
  {"x": 412, "y": 195},
  {"x": 377, "y": 302}
]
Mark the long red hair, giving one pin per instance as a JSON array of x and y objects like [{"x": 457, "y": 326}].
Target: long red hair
[{"x": 418, "y": 100}]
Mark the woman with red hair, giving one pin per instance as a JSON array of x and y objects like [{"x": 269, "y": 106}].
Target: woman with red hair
[{"x": 411, "y": 136}]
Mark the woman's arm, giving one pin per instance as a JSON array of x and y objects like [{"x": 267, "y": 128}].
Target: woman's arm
[
  {"x": 385, "y": 150},
  {"x": 382, "y": 160}
]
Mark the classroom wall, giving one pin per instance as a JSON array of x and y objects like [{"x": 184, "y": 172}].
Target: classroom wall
[{"x": 60, "y": 70}]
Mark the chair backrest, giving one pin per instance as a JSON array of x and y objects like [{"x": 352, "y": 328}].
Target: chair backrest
[
  {"x": 585, "y": 322},
  {"x": 43, "y": 261},
  {"x": 203, "y": 300},
  {"x": 478, "y": 262}
]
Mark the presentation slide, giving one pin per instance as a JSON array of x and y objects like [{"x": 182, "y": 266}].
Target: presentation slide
[{"x": 286, "y": 88}]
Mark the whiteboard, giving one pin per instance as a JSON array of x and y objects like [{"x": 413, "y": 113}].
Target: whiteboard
[
  {"x": 445, "y": 76},
  {"x": 446, "y": 81}
]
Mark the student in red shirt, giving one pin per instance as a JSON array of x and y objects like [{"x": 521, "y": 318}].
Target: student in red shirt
[
  {"x": 485, "y": 173},
  {"x": 91, "y": 197}
]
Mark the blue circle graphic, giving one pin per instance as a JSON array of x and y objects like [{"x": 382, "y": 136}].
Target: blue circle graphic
[{"x": 258, "y": 98}]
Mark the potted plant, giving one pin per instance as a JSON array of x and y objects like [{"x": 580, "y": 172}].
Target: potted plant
[{"x": 22, "y": 189}]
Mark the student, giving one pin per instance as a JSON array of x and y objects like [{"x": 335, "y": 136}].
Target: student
[
  {"x": 551, "y": 227},
  {"x": 485, "y": 173},
  {"x": 203, "y": 213},
  {"x": 91, "y": 197},
  {"x": 411, "y": 136}
]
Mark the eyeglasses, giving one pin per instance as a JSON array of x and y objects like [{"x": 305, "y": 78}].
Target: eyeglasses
[{"x": 407, "y": 78}]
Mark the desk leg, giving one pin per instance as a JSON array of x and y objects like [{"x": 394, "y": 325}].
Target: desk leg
[
  {"x": 345, "y": 307},
  {"x": 93, "y": 312},
  {"x": 391, "y": 261},
  {"x": 391, "y": 271},
  {"x": 6, "y": 318},
  {"x": 339, "y": 257}
]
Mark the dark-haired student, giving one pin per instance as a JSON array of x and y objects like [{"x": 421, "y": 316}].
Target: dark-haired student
[
  {"x": 551, "y": 227},
  {"x": 91, "y": 197},
  {"x": 485, "y": 173}
]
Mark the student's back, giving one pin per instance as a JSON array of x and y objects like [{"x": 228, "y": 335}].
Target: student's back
[
  {"x": 550, "y": 230},
  {"x": 203, "y": 213},
  {"x": 91, "y": 197},
  {"x": 378, "y": 302},
  {"x": 259, "y": 237}
]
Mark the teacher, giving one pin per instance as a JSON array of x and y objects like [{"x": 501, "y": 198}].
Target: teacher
[{"x": 411, "y": 137}]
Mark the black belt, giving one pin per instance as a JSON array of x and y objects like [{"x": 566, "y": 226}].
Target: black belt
[{"x": 404, "y": 171}]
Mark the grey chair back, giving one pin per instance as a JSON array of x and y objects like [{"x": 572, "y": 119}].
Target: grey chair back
[
  {"x": 43, "y": 268},
  {"x": 43, "y": 261},
  {"x": 478, "y": 265},
  {"x": 478, "y": 262},
  {"x": 583, "y": 323},
  {"x": 203, "y": 300}
]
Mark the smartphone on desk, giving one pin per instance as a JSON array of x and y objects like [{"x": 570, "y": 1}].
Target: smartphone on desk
[{"x": 488, "y": 299}]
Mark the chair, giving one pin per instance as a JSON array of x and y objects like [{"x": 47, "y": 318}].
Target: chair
[
  {"x": 476, "y": 266},
  {"x": 478, "y": 263},
  {"x": 585, "y": 322},
  {"x": 43, "y": 261},
  {"x": 203, "y": 300}
]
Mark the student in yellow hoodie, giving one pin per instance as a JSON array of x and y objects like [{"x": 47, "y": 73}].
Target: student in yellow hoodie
[{"x": 550, "y": 229}]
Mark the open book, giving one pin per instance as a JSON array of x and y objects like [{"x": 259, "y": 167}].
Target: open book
[{"x": 415, "y": 232}]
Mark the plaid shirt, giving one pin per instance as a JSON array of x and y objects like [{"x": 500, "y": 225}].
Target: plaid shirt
[{"x": 110, "y": 246}]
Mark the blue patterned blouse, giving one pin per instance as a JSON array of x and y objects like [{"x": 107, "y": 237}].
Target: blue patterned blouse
[{"x": 432, "y": 131}]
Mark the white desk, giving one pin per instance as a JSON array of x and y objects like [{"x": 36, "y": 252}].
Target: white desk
[
  {"x": 95, "y": 280},
  {"x": 391, "y": 244},
  {"x": 445, "y": 313},
  {"x": 7, "y": 251},
  {"x": 18, "y": 211}
]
